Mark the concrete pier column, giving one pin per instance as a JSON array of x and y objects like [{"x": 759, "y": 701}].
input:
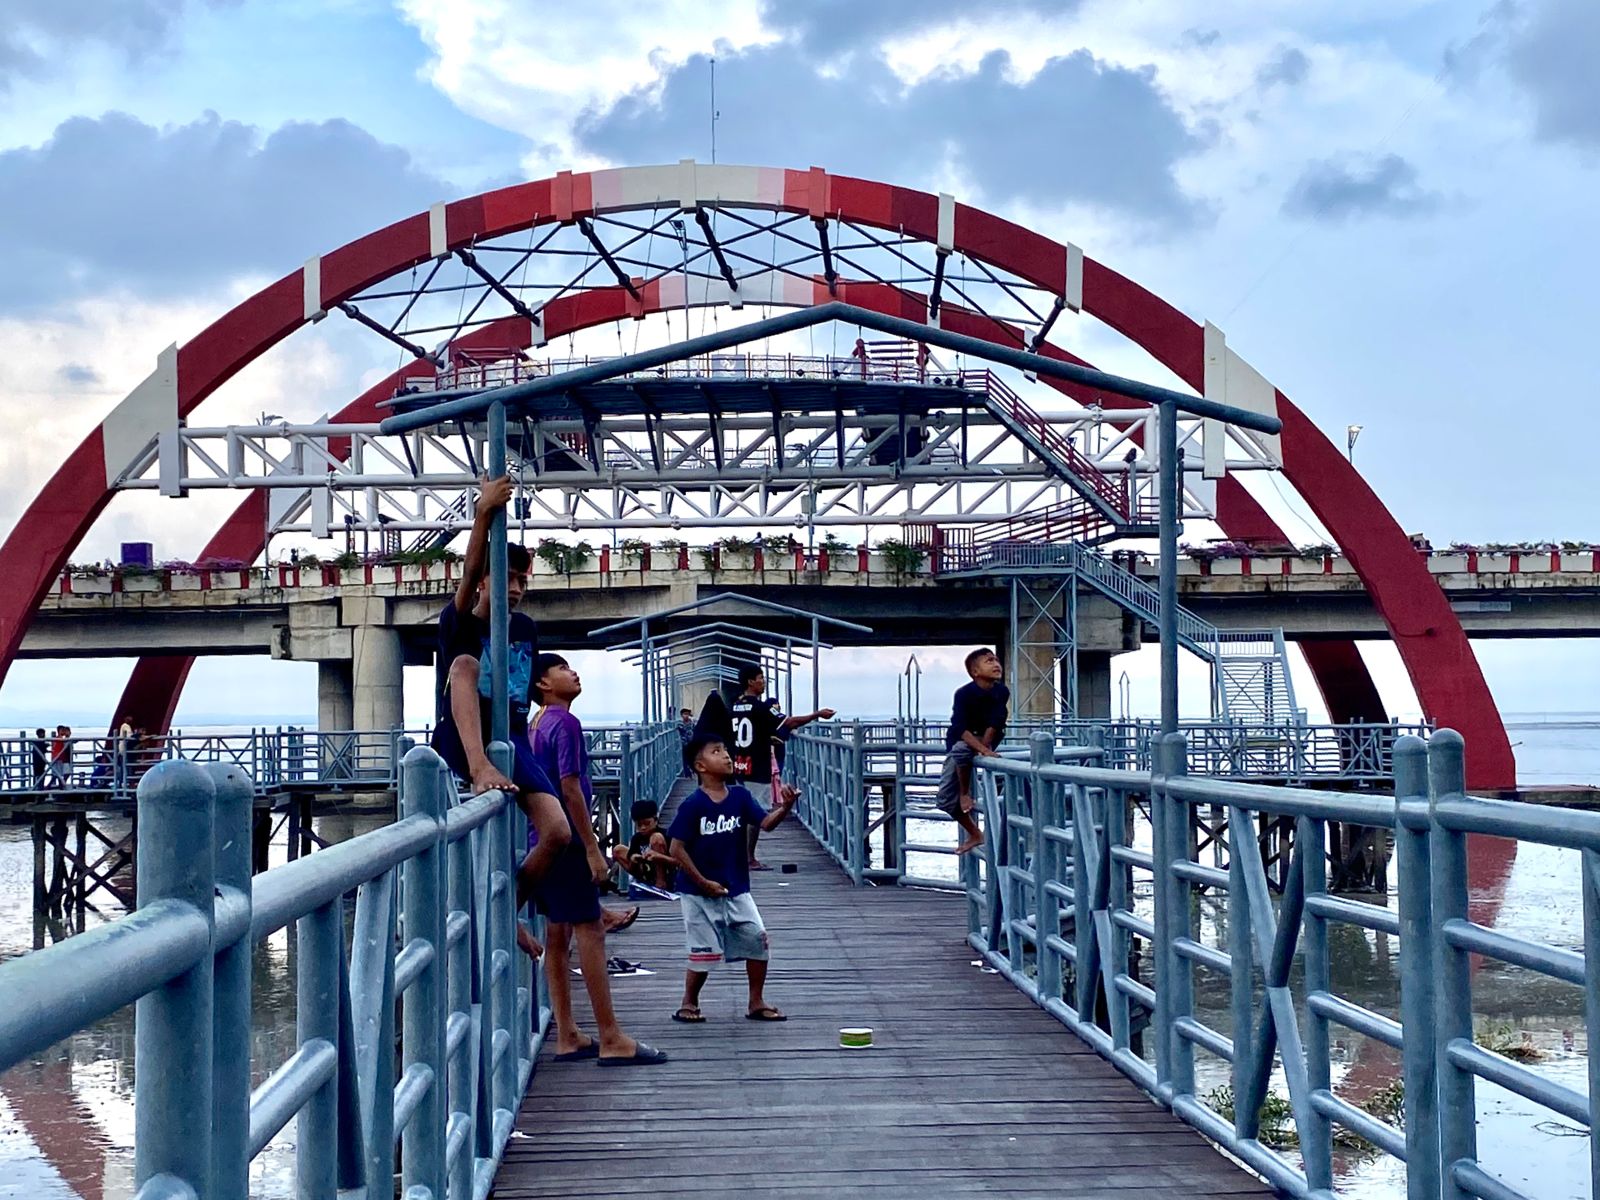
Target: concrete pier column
[
  {"x": 1032, "y": 681},
  {"x": 335, "y": 695},
  {"x": 378, "y": 691},
  {"x": 1094, "y": 685}
]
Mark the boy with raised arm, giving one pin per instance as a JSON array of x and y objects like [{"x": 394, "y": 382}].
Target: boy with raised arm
[
  {"x": 720, "y": 918},
  {"x": 567, "y": 894},
  {"x": 463, "y": 689},
  {"x": 977, "y": 723}
]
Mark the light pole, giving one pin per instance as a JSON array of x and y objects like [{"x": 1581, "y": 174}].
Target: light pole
[{"x": 1351, "y": 433}]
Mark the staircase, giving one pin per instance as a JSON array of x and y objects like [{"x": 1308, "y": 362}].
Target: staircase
[
  {"x": 1252, "y": 678},
  {"x": 1250, "y": 667}
]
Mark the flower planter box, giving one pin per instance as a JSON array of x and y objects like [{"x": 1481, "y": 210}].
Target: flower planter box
[
  {"x": 1447, "y": 564},
  {"x": 91, "y": 585},
  {"x": 1308, "y": 566},
  {"x": 141, "y": 583},
  {"x": 1189, "y": 566},
  {"x": 1534, "y": 562},
  {"x": 1267, "y": 564},
  {"x": 1493, "y": 562},
  {"x": 414, "y": 572},
  {"x": 1227, "y": 566},
  {"x": 352, "y": 576},
  {"x": 185, "y": 581},
  {"x": 738, "y": 560}
]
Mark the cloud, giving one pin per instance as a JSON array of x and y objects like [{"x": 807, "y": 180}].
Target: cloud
[
  {"x": 832, "y": 26},
  {"x": 1552, "y": 57},
  {"x": 1339, "y": 189},
  {"x": 1289, "y": 68},
  {"x": 36, "y": 32},
  {"x": 1079, "y": 130},
  {"x": 113, "y": 201}
]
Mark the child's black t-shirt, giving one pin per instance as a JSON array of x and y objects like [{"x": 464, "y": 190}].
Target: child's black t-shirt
[{"x": 977, "y": 709}]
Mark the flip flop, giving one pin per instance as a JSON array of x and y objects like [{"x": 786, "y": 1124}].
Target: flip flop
[
  {"x": 697, "y": 1019},
  {"x": 643, "y": 1056},
  {"x": 759, "y": 866},
  {"x": 592, "y": 1050},
  {"x": 765, "y": 1014},
  {"x": 633, "y": 915}
]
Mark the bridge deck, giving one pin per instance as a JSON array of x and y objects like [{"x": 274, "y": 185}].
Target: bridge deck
[{"x": 969, "y": 1089}]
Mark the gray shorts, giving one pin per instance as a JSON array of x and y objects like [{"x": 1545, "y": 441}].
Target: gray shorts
[
  {"x": 948, "y": 798},
  {"x": 722, "y": 929}
]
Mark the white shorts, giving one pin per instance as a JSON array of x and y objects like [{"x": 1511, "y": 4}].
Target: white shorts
[{"x": 723, "y": 928}]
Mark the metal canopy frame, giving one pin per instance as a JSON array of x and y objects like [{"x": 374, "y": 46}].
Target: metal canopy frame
[{"x": 661, "y": 680}]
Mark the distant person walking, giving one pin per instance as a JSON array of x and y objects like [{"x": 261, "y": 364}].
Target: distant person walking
[
  {"x": 41, "y": 757},
  {"x": 685, "y": 732},
  {"x": 60, "y": 757}
]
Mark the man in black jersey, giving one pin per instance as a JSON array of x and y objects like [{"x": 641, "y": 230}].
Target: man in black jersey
[{"x": 757, "y": 727}]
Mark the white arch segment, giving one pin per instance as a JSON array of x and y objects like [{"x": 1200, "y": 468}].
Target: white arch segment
[
  {"x": 685, "y": 184},
  {"x": 1229, "y": 379},
  {"x": 150, "y": 410},
  {"x": 763, "y": 287}
]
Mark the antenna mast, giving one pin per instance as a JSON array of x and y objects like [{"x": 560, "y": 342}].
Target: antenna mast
[{"x": 714, "y": 113}]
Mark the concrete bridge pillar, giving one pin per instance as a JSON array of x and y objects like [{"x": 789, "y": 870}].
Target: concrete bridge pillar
[
  {"x": 378, "y": 691},
  {"x": 1094, "y": 685},
  {"x": 335, "y": 696}
]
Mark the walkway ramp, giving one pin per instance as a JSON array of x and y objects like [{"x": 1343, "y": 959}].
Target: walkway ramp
[{"x": 970, "y": 1088}]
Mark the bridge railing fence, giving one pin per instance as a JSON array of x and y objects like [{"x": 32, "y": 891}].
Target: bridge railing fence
[
  {"x": 433, "y": 922},
  {"x": 649, "y": 761},
  {"x": 1099, "y": 918}
]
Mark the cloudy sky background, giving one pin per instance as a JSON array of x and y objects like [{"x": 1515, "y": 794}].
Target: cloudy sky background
[{"x": 1390, "y": 208}]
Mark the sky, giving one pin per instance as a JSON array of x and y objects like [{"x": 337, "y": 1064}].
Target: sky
[{"x": 1388, "y": 205}]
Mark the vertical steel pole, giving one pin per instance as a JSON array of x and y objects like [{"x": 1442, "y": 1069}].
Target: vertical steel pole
[
  {"x": 1241, "y": 979},
  {"x": 230, "y": 1028},
  {"x": 816, "y": 667},
  {"x": 646, "y": 671},
  {"x": 423, "y": 1029},
  {"x": 504, "y": 1046},
  {"x": 1416, "y": 969},
  {"x": 1171, "y": 466},
  {"x": 172, "y": 1047},
  {"x": 1180, "y": 993},
  {"x": 1591, "y": 995},
  {"x": 458, "y": 986},
  {"x": 1316, "y": 1141},
  {"x": 1452, "y": 980},
  {"x": 499, "y": 574},
  {"x": 316, "y": 1019}
]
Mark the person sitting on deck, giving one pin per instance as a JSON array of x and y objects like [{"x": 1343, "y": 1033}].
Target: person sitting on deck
[
  {"x": 463, "y": 687},
  {"x": 568, "y": 893},
  {"x": 646, "y": 855},
  {"x": 977, "y": 722},
  {"x": 756, "y": 724},
  {"x": 720, "y": 918}
]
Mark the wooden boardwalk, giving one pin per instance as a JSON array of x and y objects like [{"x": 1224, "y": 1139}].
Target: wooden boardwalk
[{"x": 970, "y": 1089}]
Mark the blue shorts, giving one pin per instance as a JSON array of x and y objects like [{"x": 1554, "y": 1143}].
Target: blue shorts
[
  {"x": 526, "y": 772},
  {"x": 567, "y": 894}
]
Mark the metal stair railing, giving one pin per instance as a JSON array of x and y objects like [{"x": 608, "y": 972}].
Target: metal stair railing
[
  {"x": 1109, "y": 496},
  {"x": 1138, "y": 597}
]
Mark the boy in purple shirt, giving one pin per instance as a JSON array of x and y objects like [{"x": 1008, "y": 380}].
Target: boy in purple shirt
[
  {"x": 567, "y": 894},
  {"x": 720, "y": 918}
]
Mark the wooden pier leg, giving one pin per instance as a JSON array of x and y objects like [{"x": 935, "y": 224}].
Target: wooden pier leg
[
  {"x": 58, "y": 866},
  {"x": 80, "y": 874},
  {"x": 260, "y": 839},
  {"x": 294, "y": 828},
  {"x": 305, "y": 824},
  {"x": 40, "y": 894}
]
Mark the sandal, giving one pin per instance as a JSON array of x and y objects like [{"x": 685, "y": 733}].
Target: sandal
[
  {"x": 633, "y": 915},
  {"x": 765, "y": 1014},
  {"x": 689, "y": 1015}
]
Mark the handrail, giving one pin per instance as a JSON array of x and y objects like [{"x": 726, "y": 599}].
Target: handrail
[{"x": 472, "y": 1007}]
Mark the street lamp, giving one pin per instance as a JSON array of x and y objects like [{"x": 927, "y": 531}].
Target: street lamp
[{"x": 1351, "y": 433}]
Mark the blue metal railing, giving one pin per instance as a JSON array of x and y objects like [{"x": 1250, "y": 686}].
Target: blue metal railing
[
  {"x": 466, "y": 1044},
  {"x": 1059, "y": 909}
]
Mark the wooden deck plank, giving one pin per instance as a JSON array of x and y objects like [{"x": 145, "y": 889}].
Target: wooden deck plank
[{"x": 969, "y": 1089}]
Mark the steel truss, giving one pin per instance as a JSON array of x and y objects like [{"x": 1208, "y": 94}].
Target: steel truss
[{"x": 648, "y": 470}]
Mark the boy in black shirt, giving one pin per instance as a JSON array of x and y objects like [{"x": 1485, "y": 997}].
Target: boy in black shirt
[
  {"x": 977, "y": 723},
  {"x": 758, "y": 726},
  {"x": 645, "y": 856},
  {"x": 461, "y": 732}
]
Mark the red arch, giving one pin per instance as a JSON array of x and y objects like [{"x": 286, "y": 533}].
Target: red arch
[{"x": 1431, "y": 641}]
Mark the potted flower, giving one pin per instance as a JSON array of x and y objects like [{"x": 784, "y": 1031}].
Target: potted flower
[
  {"x": 738, "y": 554},
  {"x": 182, "y": 576},
  {"x": 89, "y": 579},
  {"x": 1452, "y": 560},
  {"x": 136, "y": 577},
  {"x": 1311, "y": 560},
  {"x": 671, "y": 554},
  {"x": 1496, "y": 556},
  {"x": 558, "y": 558},
  {"x": 900, "y": 558},
  {"x": 1535, "y": 556},
  {"x": 350, "y": 567},
  {"x": 836, "y": 554}
]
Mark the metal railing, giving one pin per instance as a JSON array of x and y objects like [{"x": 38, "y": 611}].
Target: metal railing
[
  {"x": 469, "y": 1033},
  {"x": 1107, "y": 936},
  {"x": 274, "y": 759}
]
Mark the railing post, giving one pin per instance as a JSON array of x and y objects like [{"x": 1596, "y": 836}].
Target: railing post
[
  {"x": 1452, "y": 981},
  {"x": 172, "y": 1026},
  {"x": 1046, "y": 866},
  {"x": 423, "y": 1032},
  {"x": 1420, "y": 1078},
  {"x": 230, "y": 1011},
  {"x": 499, "y": 966},
  {"x": 316, "y": 1150},
  {"x": 626, "y": 795},
  {"x": 855, "y": 808},
  {"x": 1179, "y": 988},
  {"x": 462, "y": 1091}
]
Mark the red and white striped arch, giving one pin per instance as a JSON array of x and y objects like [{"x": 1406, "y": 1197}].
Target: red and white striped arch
[{"x": 1432, "y": 644}]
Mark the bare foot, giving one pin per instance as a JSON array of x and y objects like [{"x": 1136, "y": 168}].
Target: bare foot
[
  {"x": 972, "y": 843},
  {"x": 528, "y": 944}
]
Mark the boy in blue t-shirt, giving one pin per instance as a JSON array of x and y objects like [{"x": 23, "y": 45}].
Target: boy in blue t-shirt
[{"x": 720, "y": 918}]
